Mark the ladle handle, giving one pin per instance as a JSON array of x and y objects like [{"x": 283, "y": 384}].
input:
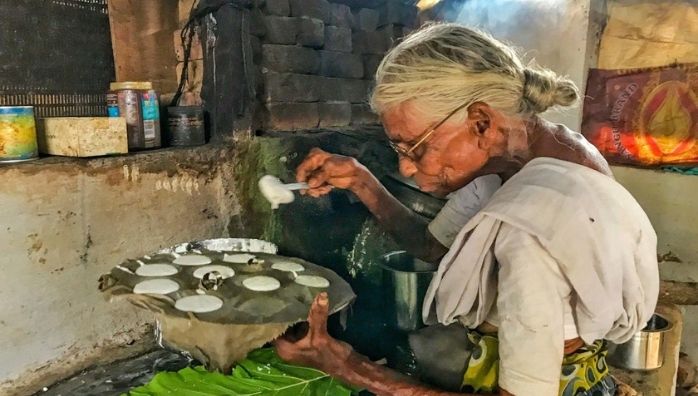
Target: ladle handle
[{"x": 297, "y": 186}]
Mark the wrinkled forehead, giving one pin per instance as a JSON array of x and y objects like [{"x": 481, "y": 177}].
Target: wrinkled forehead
[{"x": 404, "y": 123}]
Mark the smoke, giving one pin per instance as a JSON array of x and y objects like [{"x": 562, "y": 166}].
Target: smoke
[
  {"x": 525, "y": 23},
  {"x": 551, "y": 32}
]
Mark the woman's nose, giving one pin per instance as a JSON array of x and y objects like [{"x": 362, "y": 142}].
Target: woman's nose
[{"x": 407, "y": 167}]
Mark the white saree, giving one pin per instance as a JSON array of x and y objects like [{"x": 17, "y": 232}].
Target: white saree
[{"x": 588, "y": 223}]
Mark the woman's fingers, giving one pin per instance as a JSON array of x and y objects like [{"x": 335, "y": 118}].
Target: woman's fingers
[
  {"x": 318, "y": 178},
  {"x": 320, "y": 166},
  {"x": 319, "y": 312},
  {"x": 338, "y": 171},
  {"x": 315, "y": 159},
  {"x": 324, "y": 171},
  {"x": 317, "y": 320},
  {"x": 320, "y": 191}
]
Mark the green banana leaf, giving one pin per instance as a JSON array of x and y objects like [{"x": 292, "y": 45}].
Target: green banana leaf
[{"x": 262, "y": 373}]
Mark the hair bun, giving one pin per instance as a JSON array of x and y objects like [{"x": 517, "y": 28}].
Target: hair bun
[{"x": 543, "y": 89}]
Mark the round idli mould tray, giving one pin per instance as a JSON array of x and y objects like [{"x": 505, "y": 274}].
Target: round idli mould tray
[
  {"x": 211, "y": 315},
  {"x": 251, "y": 259}
]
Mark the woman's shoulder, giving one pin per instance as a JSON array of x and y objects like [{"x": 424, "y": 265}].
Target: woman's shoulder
[{"x": 567, "y": 145}]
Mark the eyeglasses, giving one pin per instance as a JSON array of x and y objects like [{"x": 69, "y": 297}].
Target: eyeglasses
[{"x": 426, "y": 135}]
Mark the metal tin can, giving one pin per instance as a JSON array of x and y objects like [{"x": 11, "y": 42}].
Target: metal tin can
[
  {"x": 186, "y": 126},
  {"x": 139, "y": 104},
  {"x": 17, "y": 134}
]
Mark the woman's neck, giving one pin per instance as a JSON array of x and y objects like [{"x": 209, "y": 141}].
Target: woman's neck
[
  {"x": 518, "y": 148},
  {"x": 537, "y": 137}
]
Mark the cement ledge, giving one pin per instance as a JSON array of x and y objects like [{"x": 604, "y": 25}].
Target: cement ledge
[
  {"x": 149, "y": 159},
  {"x": 122, "y": 346}
]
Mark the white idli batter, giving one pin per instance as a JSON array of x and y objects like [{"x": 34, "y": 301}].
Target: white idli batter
[
  {"x": 156, "y": 270},
  {"x": 261, "y": 283},
  {"x": 199, "y": 304},
  {"x": 288, "y": 266},
  {"x": 313, "y": 281},
  {"x": 275, "y": 191},
  {"x": 156, "y": 286}
]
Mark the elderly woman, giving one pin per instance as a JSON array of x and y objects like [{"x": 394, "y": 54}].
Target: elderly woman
[{"x": 538, "y": 271}]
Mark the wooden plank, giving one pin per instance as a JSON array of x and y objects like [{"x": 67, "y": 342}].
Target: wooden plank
[
  {"x": 142, "y": 41},
  {"x": 679, "y": 293},
  {"x": 83, "y": 136},
  {"x": 226, "y": 89}
]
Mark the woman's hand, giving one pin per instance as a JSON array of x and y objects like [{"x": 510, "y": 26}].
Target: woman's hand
[
  {"x": 324, "y": 171},
  {"x": 317, "y": 348}
]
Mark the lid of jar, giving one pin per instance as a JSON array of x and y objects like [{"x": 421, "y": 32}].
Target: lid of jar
[{"x": 140, "y": 85}]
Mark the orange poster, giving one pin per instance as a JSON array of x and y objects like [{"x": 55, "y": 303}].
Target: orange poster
[{"x": 644, "y": 116}]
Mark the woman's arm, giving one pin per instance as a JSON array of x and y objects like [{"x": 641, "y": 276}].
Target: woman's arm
[
  {"x": 318, "y": 349},
  {"x": 530, "y": 299},
  {"x": 324, "y": 171}
]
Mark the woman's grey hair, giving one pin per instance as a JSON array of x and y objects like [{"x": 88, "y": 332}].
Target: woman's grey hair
[{"x": 442, "y": 66}]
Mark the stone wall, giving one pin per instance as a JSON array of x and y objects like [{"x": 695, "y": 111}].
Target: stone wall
[{"x": 316, "y": 59}]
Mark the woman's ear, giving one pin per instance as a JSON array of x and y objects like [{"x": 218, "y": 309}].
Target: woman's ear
[
  {"x": 480, "y": 120},
  {"x": 478, "y": 115}
]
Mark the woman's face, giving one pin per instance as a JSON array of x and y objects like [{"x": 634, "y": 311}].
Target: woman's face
[{"x": 451, "y": 157}]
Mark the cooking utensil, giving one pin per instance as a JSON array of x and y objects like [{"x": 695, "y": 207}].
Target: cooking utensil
[
  {"x": 645, "y": 351},
  {"x": 406, "y": 281},
  {"x": 219, "y": 336},
  {"x": 409, "y": 194}
]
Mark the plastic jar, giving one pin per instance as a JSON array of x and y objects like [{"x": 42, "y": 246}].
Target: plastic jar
[{"x": 139, "y": 104}]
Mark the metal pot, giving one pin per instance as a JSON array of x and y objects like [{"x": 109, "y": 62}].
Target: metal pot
[
  {"x": 645, "y": 351},
  {"x": 409, "y": 195},
  {"x": 406, "y": 281}
]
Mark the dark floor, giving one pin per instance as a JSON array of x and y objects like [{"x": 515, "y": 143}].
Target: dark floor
[{"x": 119, "y": 377}]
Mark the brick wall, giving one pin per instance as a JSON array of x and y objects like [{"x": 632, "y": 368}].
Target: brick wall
[{"x": 317, "y": 58}]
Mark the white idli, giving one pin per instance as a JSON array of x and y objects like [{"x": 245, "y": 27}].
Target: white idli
[
  {"x": 313, "y": 281},
  {"x": 192, "y": 260},
  {"x": 156, "y": 270},
  {"x": 288, "y": 266},
  {"x": 261, "y": 283},
  {"x": 226, "y": 272},
  {"x": 156, "y": 286},
  {"x": 199, "y": 304}
]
